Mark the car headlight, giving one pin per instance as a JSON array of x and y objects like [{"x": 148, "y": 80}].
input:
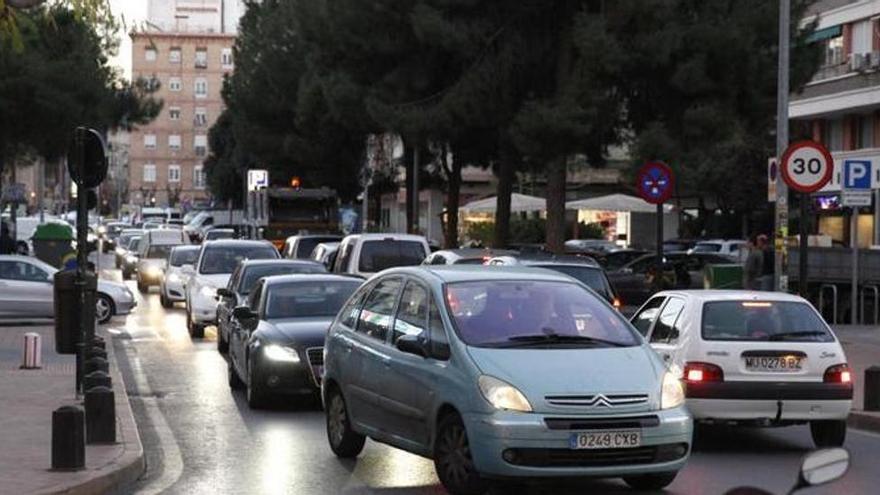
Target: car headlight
[
  {"x": 131, "y": 259},
  {"x": 503, "y": 395},
  {"x": 275, "y": 352},
  {"x": 174, "y": 278},
  {"x": 208, "y": 292},
  {"x": 671, "y": 392}
]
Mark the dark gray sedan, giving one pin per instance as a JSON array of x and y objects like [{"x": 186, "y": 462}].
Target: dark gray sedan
[{"x": 276, "y": 343}]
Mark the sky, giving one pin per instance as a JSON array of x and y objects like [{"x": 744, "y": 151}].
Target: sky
[{"x": 129, "y": 13}]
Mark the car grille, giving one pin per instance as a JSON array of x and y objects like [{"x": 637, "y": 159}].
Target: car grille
[
  {"x": 316, "y": 356},
  {"x": 602, "y": 423},
  {"x": 595, "y": 458},
  {"x": 597, "y": 400}
]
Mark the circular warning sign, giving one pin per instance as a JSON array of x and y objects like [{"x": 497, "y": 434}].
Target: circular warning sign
[
  {"x": 655, "y": 182},
  {"x": 806, "y": 166}
]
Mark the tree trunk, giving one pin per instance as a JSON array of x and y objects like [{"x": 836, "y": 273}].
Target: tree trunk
[
  {"x": 452, "y": 199},
  {"x": 555, "y": 230},
  {"x": 409, "y": 194},
  {"x": 502, "y": 207}
]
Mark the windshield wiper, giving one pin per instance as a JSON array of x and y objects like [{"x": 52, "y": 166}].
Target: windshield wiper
[
  {"x": 786, "y": 335},
  {"x": 551, "y": 337}
]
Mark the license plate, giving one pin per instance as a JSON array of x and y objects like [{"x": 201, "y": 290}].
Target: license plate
[
  {"x": 778, "y": 364},
  {"x": 605, "y": 440}
]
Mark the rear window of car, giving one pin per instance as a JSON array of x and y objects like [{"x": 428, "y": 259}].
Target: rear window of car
[
  {"x": 182, "y": 257},
  {"x": 763, "y": 321},
  {"x": 542, "y": 314},
  {"x": 305, "y": 246},
  {"x": 254, "y": 273},
  {"x": 379, "y": 255},
  {"x": 224, "y": 259},
  {"x": 213, "y": 235},
  {"x": 158, "y": 251},
  {"x": 593, "y": 278},
  {"x": 707, "y": 247},
  {"x": 305, "y": 300}
]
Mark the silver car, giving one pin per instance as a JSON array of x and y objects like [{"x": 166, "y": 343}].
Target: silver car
[{"x": 26, "y": 291}]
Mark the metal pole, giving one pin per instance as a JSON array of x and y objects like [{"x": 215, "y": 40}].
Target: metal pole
[
  {"x": 802, "y": 247},
  {"x": 41, "y": 179},
  {"x": 854, "y": 237},
  {"x": 415, "y": 192},
  {"x": 780, "y": 280},
  {"x": 82, "y": 249},
  {"x": 658, "y": 278},
  {"x": 877, "y": 217}
]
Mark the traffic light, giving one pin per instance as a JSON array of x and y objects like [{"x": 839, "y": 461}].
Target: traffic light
[{"x": 295, "y": 182}]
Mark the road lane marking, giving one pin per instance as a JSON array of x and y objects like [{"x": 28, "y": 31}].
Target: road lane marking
[{"x": 171, "y": 459}]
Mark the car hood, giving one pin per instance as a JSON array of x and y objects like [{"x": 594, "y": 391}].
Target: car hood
[
  {"x": 216, "y": 280},
  {"x": 539, "y": 373},
  {"x": 303, "y": 332},
  {"x": 111, "y": 288}
]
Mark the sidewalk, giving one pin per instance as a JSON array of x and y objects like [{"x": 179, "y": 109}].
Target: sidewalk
[
  {"x": 27, "y": 399},
  {"x": 862, "y": 346}
]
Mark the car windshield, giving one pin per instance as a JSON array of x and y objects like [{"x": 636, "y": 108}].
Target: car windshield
[
  {"x": 591, "y": 277},
  {"x": 763, "y": 321},
  {"x": 707, "y": 247},
  {"x": 308, "y": 299},
  {"x": 224, "y": 259},
  {"x": 133, "y": 242},
  {"x": 182, "y": 257},
  {"x": 387, "y": 253},
  {"x": 160, "y": 251},
  {"x": 470, "y": 261},
  {"x": 534, "y": 313},
  {"x": 254, "y": 273}
]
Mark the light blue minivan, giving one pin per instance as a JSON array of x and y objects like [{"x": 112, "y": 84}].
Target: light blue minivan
[{"x": 500, "y": 373}]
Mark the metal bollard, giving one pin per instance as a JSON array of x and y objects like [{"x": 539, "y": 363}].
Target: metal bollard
[
  {"x": 96, "y": 352},
  {"x": 97, "y": 379},
  {"x": 872, "y": 389},
  {"x": 96, "y": 364},
  {"x": 32, "y": 358},
  {"x": 100, "y": 415},
  {"x": 68, "y": 439}
]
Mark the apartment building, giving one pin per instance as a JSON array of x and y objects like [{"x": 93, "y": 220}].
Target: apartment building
[
  {"x": 840, "y": 107},
  {"x": 186, "y": 49}
]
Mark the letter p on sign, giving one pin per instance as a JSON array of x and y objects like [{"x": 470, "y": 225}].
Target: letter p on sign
[{"x": 857, "y": 174}]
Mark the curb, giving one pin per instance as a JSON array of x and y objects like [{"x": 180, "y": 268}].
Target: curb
[
  {"x": 864, "y": 421},
  {"x": 129, "y": 466}
]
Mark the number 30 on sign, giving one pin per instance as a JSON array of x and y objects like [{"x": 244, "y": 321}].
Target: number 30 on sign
[{"x": 806, "y": 166}]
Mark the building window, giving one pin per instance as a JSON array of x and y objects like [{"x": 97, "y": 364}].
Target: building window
[
  {"x": 174, "y": 113},
  {"x": 201, "y": 88},
  {"x": 174, "y": 84},
  {"x": 201, "y": 58},
  {"x": 150, "y": 54},
  {"x": 200, "y": 144},
  {"x": 201, "y": 118},
  {"x": 149, "y": 173},
  {"x": 226, "y": 58},
  {"x": 832, "y": 134},
  {"x": 833, "y": 51},
  {"x": 150, "y": 141},
  {"x": 174, "y": 142},
  {"x": 198, "y": 177},
  {"x": 174, "y": 56},
  {"x": 173, "y": 173},
  {"x": 864, "y": 132},
  {"x": 861, "y": 37}
]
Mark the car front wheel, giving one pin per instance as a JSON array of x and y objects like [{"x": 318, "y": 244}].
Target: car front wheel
[
  {"x": 196, "y": 330},
  {"x": 256, "y": 391},
  {"x": 344, "y": 442},
  {"x": 104, "y": 308},
  {"x": 453, "y": 461},
  {"x": 829, "y": 433}
]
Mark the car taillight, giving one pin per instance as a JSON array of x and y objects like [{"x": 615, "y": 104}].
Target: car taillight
[
  {"x": 616, "y": 303},
  {"x": 702, "y": 372},
  {"x": 839, "y": 373}
]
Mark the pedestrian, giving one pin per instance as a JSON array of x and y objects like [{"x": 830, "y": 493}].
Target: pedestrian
[
  {"x": 7, "y": 244},
  {"x": 753, "y": 267},
  {"x": 768, "y": 266}
]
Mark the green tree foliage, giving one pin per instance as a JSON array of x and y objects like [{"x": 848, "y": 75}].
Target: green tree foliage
[{"x": 223, "y": 167}]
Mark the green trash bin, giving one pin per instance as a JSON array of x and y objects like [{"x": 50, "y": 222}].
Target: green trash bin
[
  {"x": 53, "y": 243},
  {"x": 723, "y": 276}
]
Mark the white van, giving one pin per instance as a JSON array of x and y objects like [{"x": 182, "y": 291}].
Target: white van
[
  {"x": 153, "y": 254},
  {"x": 366, "y": 254}
]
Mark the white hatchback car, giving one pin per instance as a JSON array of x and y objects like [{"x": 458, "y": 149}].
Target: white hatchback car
[{"x": 761, "y": 358}]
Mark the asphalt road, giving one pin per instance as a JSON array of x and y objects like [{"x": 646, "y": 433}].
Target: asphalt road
[{"x": 201, "y": 438}]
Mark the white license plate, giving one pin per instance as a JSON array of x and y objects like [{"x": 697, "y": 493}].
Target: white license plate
[
  {"x": 605, "y": 439},
  {"x": 780, "y": 364}
]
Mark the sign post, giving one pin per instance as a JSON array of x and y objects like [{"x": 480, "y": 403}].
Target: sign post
[
  {"x": 655, "y": 184},
  {"x": 856, "y": 192},
  {"x": 806, "y": 167}
]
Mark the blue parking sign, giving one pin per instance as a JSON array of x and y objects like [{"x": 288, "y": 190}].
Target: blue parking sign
[{"x": 857, "y": 174}]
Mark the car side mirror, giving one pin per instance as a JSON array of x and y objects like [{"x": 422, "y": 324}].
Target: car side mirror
[
  {"x": 412, "y": 344},
  {"x": 823, "y": 466},
  {"x": 187, "y": 268},
  {"x": 224, "y": 292},
  {"x": 246, "y": 317}
]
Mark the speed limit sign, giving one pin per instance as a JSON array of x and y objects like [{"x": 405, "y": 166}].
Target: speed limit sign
[{"x": 806, "y": 166}]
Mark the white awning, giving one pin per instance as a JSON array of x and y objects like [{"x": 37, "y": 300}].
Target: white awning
[
  {"x": 616, "y": 202},
  {"x": 518, "y": 203}
]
